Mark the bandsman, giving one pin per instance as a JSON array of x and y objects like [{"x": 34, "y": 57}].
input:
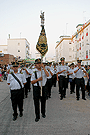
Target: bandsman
[
  {"x": 36, "y": 79},
  {"x": 62, "y": 70},
  {"x": 27, "y": 74},
  {"x": 58, "y": 77},
  {"x": 79, "y": 73},
  {"x": 72, "y": 78},
  {"x": 16, "y": 82},
  {"x": 49, "y": 79},
  {"x": 54, "y": 75}
]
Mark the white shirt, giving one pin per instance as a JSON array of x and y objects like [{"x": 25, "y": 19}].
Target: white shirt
[
  {"x": 33, "y": 68},
  {"x": 72, "y": 71},
  {"x": 14, "y": 85},
  {"x": 38, "y": 76},
  {"x": 24, "y": 72},
  {"x": 55, "y": 70},
  {"x": 19, "y": 69},
  {"x": 58, "y": 70},
  {"x": 79, "y": 73},
  {"x": 61, "y": 68},
  {"x": 29, "y": 71},
  {"x": 11, "y": 70},
  {"x": 47, "y": 67}
]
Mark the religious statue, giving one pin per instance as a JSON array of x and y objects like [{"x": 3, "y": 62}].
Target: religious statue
[
  {"x": 42, "y": 18},
  {"x": 42, "y": 41}
]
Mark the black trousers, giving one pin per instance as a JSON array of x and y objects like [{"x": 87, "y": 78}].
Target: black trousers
[
  {"x": 49, "y": 86},
  {"x": 28, "y": 83},
  {"x": 54, "y": 80},
  {"x": 80, "y": 83},
  {"x": 37, "y": 98},
  {"x": 17, "y": 100},
  {"x": 62, "y": 85},
  {"x": 72, "y": 85},
  {"x": 26, "y": 87}
]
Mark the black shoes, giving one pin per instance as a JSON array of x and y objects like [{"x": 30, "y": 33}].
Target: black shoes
[
  {"x": 61, "y": 98},
  {"x": 64, "y": 96},
  {"x": 84, "y": 98},
  {"x": 44, "y": 116},
  {"x": 14, "y": 118},
  {"x": 37, "y": 119},
  {"x": 21, "y": 114}
]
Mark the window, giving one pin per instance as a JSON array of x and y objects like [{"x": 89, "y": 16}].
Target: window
[
  {"x": 87, "y": 34},
  {"x": 70, "y": 57},
  {"x": 18, "y": 44},
  {"x": 87, "y": 54},
  {"x": 82, "y": 44},
  {"x": 80, "y": 47},
  {"x": 82, "y": 37},
  {"x": 18, "y": 50},
  {"x": 79, "y": 39},
  {"x": 82, "y": 54}
]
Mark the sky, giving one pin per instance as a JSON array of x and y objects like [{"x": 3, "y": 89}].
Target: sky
[{"x": 23, "y": 16}]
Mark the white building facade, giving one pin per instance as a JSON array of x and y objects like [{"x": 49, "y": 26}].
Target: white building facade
[
  {"x": 19, "y": 47},
  {"x": 81, "y": 43},
  {"x": 77, "y": 48},
  {"x": 64, "y": 49}
]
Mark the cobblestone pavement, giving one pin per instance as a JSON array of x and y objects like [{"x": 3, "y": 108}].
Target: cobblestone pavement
[{"x": 66, "y": 117}]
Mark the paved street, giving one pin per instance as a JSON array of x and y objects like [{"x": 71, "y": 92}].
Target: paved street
[{"x": 66, "y": 117}]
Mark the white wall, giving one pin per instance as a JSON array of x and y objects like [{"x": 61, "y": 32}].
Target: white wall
[
  {"x": 16, "y": 45},
  {"x": 3, "y": 49}
]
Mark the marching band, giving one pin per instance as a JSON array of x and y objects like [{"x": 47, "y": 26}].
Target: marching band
[{"x": 22, "y": 76}]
